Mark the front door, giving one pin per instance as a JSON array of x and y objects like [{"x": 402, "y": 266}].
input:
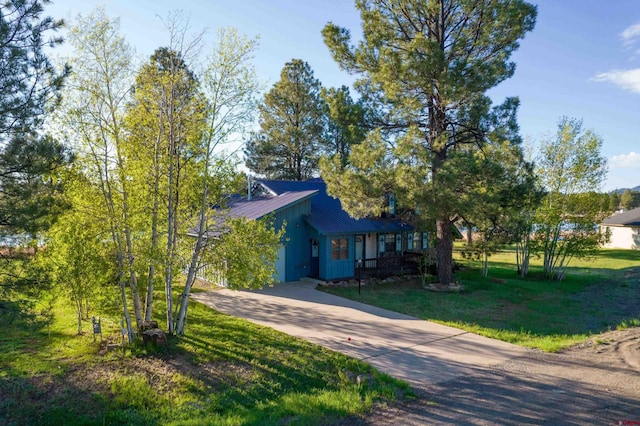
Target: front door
[{"x": 315, "y": 259}]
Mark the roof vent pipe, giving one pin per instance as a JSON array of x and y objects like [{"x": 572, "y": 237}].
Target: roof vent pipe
[{"x": 248, "y": 187}]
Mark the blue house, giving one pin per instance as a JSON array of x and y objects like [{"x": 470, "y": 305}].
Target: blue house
[{"x": 321, "y": 239}]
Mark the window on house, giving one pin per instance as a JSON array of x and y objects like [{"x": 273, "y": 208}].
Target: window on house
[
  {"x": 390, "y": 243},
  {"x": 392, "y": 204},
  {"x": 339, "y": 249}
]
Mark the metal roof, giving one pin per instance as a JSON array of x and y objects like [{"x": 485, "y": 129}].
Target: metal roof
[
  {"x": 327, "y": 215},
  {"x": 628, "y": 218},
  {"x": 258, "y": 207},
  {"x": 255, "y": 208}
]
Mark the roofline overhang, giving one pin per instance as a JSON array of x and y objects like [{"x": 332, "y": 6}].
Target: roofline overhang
[
  {"x": 358, "y": 232},
  {"x": 296, "y": 201}
]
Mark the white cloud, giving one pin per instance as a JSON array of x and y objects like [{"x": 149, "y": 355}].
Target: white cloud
[
  {"x": 627, "y": 79},
  {"x": 624, "y": 171},
  {"x": 625, "y": 161},
  {"x": 630, "y": 34}
]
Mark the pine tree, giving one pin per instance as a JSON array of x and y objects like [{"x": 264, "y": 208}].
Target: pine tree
[
  {"x": 425, "y": 66},
  {"x": 345, "y": 122},
  {"x": 29, "y": 87},
  {"x": 614, "y": 201},
  {"x": 28, "y": 81},
  {"x": 627, "y": 199},
  {"x": 291, "y": 137}
]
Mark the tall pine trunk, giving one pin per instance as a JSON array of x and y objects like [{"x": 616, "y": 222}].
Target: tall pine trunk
[
  {"x": 444, "y": 251},
  {"x": 437, "y": 138}
]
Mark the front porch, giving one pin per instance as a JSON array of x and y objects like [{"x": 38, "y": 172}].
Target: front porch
[{"x": 389, "y": 265}]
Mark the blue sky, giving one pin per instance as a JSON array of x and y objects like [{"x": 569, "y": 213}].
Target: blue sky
[{"x": 582, "y": 59}]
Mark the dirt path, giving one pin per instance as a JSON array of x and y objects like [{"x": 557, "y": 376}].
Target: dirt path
[{"x": 594, "y": 383}]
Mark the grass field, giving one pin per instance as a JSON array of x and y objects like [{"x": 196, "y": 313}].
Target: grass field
[
  {"x": 226, "y": 371},
  {"x": 230, "y": 372},
  {"x": 598, "y": 294}
]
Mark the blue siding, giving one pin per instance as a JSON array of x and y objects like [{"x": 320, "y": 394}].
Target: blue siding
[
  {"x": 319, "y": 217},
  {"x": 297, "y": 239},
  {"x": 325, "y": 256},
  {"x": 312, "y": 233}
]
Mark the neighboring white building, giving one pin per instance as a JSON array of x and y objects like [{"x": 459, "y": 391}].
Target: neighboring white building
[{"x": 624, "y": 228}]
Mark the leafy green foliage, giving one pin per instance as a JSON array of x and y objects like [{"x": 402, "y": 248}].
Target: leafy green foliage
[
  {"x": 30, "y": 169},
  {"x": 424, "y": 69},
  {"x": 499, "y": 186},
  {"x": 629, "y": 199},
  {"x": 92, "y": 117},
  {"x": 345, "y": 122},
  {"x": 230, "y": 86},
  {"x": 230, "y": 83},
  {"x": 29, "y": 84},
  {"x": 28, "y": 81},
  {"x": 228, "y": 371},
  {"x": 614, "y": 201},
  {"x": 291, "y": 136},
  {"x": 570, "y": 167},
  {"x": 30, "y": 162},
  {"x": 167, "y": 117},
  {"x": 149, "y": 143},
  {"x": 245, "y": 252},
  {"x": 79, "y": 266}
]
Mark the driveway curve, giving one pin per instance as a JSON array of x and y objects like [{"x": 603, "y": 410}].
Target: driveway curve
[
  {"x": 460, "y": 378},
  {"x": 417, "y": 351}
]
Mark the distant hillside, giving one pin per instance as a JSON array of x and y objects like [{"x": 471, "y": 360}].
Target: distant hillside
[{"x": 621, "y": 190}]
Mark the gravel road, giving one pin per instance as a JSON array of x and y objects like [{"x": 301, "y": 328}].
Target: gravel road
[{"x": 595, "y": 383}]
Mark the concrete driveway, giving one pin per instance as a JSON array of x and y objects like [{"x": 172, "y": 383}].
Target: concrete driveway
[{"x": 420, "y": 352}]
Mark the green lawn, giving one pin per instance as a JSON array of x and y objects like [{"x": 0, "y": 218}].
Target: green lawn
[
  {"x": 598, "y": 294},
  {"x": 225, "y": 372}
]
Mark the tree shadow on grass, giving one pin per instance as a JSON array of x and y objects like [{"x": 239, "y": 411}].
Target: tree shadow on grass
[
  {"x": 512, "y": 307},
  {"x": 514, "y": 399},
  {"x": 619, "y": 254}
]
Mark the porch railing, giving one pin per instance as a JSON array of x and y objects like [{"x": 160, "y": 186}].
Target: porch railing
[{"x": 407, "y": 262}]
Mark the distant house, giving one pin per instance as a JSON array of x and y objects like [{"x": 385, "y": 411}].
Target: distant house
[
  {"x": 321, "y": 239},
  {"x": 624, "y": 228}
]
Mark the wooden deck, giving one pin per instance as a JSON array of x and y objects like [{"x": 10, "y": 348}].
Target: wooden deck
[{"x": 388, "y": 265}]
